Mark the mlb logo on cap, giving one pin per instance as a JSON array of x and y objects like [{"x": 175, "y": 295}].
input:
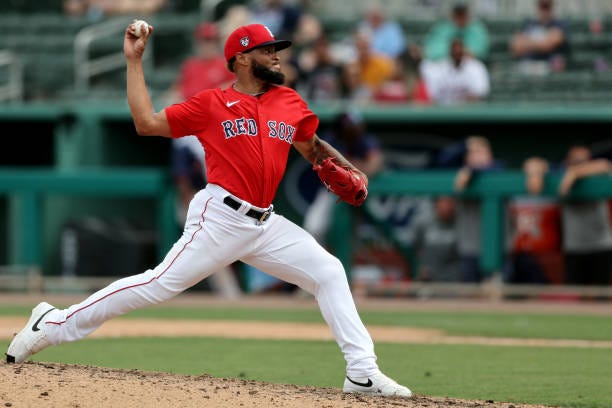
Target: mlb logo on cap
[{"x": 249, "y": 37}]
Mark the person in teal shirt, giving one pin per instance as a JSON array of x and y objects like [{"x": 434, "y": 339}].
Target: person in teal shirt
[{"x": 473, "y": 33}]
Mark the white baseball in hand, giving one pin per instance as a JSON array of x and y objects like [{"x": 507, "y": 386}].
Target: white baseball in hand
[{"x": 141, "y": 28}]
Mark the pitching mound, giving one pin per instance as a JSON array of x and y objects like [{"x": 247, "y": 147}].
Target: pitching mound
[{"x": 62, "y": 385}]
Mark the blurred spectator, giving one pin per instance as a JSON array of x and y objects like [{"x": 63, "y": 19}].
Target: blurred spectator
[
  {"x": 357, "y": 91},
  {"x": 478, "y": 157},
  {"x": 286, "y": 20},
  {"x": 320, "y": 74},
  {"x": 436, "y": 244},
  {"x": 350, "y": 137},
  {"x": 587, "y": 234},
  {"x": 75, "y": 8},
  {"x": 535, "y": 168},
  {"x": 308, "y": 30},
  {"x": 222, "y": 7},
  {"x": 206, "y": 69},
  {"x": 188, "y": 172},
  {"x": 542, "y": 44},
  {"x": 586, "y": 228},
  {"x": 368, "y": 72},
  {"x": 96, "y": 9},
  {"x": 282, "y": 19},
  {"x": 472, "y": 32},
  {"x": 534, "y": 231},
  {"x": 387, "y": 36},
  {"x": 457, "y": 79},
  {"x": 289, "y": 67},
  {"x": 234, "y": 16},
  {"x": 406, "y": 85}
]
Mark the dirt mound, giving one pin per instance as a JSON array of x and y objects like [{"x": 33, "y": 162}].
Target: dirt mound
[{"x": 63, "y": 385}]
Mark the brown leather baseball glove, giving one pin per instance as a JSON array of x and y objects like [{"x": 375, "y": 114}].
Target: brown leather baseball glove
[{"x": 349, "y": 185}]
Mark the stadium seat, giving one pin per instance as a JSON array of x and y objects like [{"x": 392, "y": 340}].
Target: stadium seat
[{"x": 47, "y": 51}]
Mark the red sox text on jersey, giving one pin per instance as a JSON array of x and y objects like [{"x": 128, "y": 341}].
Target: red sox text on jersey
[{"x": 248, "y": 127}]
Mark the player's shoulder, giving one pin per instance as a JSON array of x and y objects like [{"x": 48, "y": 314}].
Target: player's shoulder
[
  {"x": 210, "y": 94},
  {"x": 286, "y": 92}
]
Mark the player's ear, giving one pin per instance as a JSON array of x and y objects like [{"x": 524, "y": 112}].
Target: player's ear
[{"x": 241, "y": 59}]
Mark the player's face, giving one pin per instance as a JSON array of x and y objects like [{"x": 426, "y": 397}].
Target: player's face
[
  {"x": 267, "y": 56},
  {"x": 265, "y": 65}
]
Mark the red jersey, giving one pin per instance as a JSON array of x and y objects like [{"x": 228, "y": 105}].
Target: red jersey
[
  {"x": 198, "y": 74},
  {"x": 246, "y": 139},
  {"x": 537, "y": 226}
]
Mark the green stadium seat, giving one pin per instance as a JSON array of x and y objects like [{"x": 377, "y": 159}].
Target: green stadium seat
[
  {"x": 337, "y": 28},
  {"x": 162, "y": 79},
  {"x": 47, "y": 52},
  {"x": 31, "y": 6}
]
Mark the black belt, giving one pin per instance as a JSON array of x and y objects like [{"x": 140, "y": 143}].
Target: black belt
[{"x": 261, "y": 216}]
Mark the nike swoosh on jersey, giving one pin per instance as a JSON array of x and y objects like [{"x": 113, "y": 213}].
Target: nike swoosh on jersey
[
  {"x": 230, "y": 104},
  {"x": 368, "y": 384}
]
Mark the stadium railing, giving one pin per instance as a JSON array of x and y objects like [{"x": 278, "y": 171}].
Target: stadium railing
[{"x": 28, "y": 187}]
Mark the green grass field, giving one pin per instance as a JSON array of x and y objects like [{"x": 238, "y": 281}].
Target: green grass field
[
  {"x": 568, "y": 377},
  {"x": 525, "y": 325}
]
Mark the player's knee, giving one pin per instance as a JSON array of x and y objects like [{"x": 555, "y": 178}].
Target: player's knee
[
  {"x": 331, "y": 272},
  {"x": 161, "y": 289}
]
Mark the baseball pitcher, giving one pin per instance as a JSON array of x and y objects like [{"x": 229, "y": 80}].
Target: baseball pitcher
[{"x": 246, "y": 131}]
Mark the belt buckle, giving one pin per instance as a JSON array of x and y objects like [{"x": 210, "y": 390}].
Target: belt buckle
[{"x": 264, "y": 217}]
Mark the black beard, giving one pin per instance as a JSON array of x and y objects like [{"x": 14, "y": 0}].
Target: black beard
[{"x": 266, "y": 74}]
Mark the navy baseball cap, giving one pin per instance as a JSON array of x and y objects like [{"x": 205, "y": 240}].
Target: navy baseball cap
[{"x": 249, "y": 37}]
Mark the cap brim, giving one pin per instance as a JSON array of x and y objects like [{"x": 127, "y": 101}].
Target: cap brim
[{"x": 278, "y": 45}]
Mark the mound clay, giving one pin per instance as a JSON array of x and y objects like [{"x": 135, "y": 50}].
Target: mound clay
[{"x": 74, "y": 386}]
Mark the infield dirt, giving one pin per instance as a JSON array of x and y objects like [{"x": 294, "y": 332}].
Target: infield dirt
[
  {"x": 62, "y": 386},
  {"x": 74, "y": 386}
]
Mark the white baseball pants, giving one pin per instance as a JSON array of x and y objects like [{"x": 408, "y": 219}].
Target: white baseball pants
[{"x": 215, "y": 236}]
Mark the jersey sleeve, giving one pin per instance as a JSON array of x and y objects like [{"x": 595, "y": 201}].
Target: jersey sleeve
[
  {"x": 308, "y": 124},
  {"x": 189, "y": 117}
]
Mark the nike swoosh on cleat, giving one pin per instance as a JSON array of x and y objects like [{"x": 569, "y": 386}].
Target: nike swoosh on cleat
[
  {"x": 35, "y": 326},
  {"x": 368, "y": 384},
  {"x": 230, "y": 104}
]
